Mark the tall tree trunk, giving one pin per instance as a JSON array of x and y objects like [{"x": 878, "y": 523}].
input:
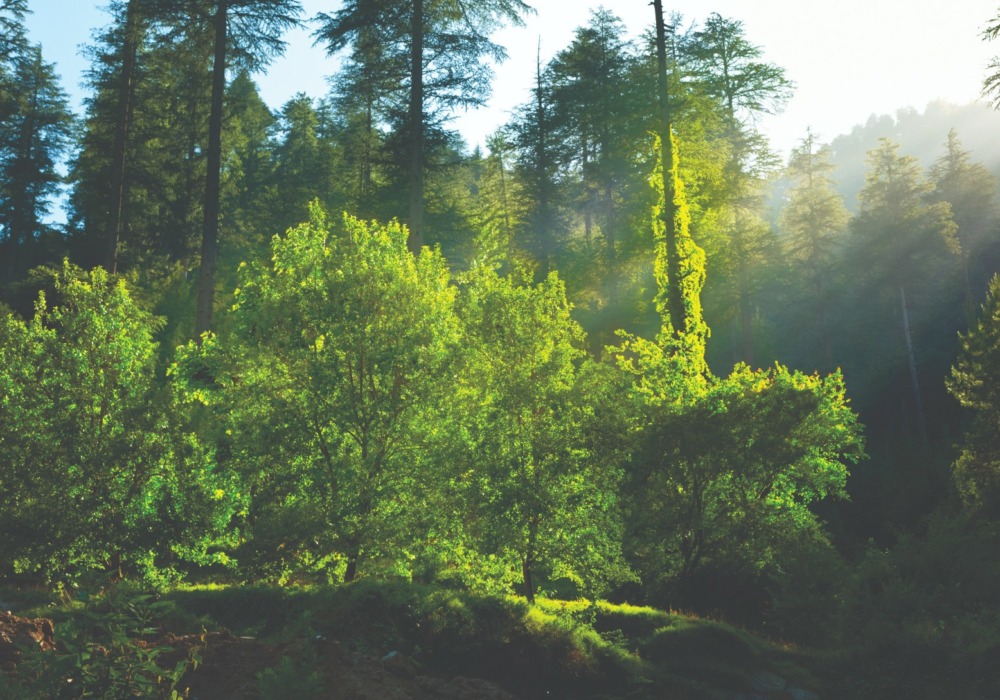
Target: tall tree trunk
[
  {"x": 210, "y": 232},
  {"x": 609, "y": 236},
  {"x": 675, "y": 300},
  {"x": 23, "y": 217},
  {"x": 508, "y": 229},
  {"x": 528, "y": 561},
  {"x": 352, "y": 564},
  {"x": 826, "y": 341},
  {"x": 116, "y": 201},
  {"x": 544, "y": 223},
  {"x": 911, "y": 360},
  {"x": 588, "y": 224},
  {"x": 416, "y": 237}
]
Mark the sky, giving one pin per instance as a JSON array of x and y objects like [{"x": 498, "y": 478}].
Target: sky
[{"x": 848, "y": 58}]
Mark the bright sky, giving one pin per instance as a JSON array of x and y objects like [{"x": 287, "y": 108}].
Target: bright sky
[{"x": 848, "y": 58}]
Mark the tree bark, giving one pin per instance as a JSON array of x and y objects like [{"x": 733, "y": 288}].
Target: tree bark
[
  {"x": 416, "y": 238},
  {"x": 116, "y": 201},
  {"x": 210, "y": 232}
]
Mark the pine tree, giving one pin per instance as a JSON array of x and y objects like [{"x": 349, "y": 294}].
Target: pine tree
[
  {"x": 597, "y": 116},
  {"x": 975, "y": 381},
  {"x": 727, "y": 67},
  {"x": 970, "y": 189},
  {"x": 901, "y": 236},
  {"x": 33, "y": 139},
  {"x": 814, "y": 221},
  {"x": 408, "y": 32}
]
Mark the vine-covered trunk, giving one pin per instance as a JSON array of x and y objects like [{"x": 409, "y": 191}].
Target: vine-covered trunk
[{"x": 675, "y": 300}]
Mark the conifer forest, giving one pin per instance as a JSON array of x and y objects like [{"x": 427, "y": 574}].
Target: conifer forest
[{"x": 321, "y": 401}]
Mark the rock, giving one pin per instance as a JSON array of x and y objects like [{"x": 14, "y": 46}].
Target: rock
[
  {"x": 767, "y": 682},
  {"x": 801, "y": 694},
  {"x": 399, "y": 664}
]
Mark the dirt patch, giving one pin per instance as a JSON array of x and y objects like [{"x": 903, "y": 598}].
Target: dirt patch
[{"x": 17, "y": 632}]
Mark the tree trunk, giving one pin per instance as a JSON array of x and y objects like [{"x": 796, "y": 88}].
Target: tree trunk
[
  {"x": 911, "y": 360},
  {"x": 416, "y": 237},
  {"x": 529, "y": 589},
  {"x": 746, "y": 328},
  {"x": 210, "y": 232},
  {"x": 23, "y": 221},
  {"x": 529, "y": 560},
  {"x": 116, "y": 208},
  {"x": 544, "y": 228},
  {"x": 614, "y": 281},
  {"x": 352, "y": 564},
  {"x": 675, "y": 300},
  {"x": 588, "y": 225}
]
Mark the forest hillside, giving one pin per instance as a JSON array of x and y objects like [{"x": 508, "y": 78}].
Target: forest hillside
[{"x": 621, "y": 405}]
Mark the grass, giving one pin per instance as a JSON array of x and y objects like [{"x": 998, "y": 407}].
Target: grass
[{"x": 554, "y": 649}]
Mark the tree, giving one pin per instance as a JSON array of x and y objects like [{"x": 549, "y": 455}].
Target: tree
[
  {"x": 327, "y": 387},
  {"x": 673, "y": 220},
  {"x": 901, "y": 236},
  {"x": 499, "y": 197},
  {"x": 247, "y": 32},
  {"x": 133, "y": 21},
  {"x": 532, "y": 489},
  {"x": 32, "y": 140},
  {"x": 163, "y": 182},
  {"x": 727, "y": 67},
  {"x": 814, "y": 221},
  {"x": 99, "y": 471},
  {"x": 305, "y": 165},
  {"x": 444, "y": 42},
  {"x": 991, "y": 83},
  {"x": 974, "y": 381},
  {"x": 249, "y": 186},
  {"x": 12, "y": 14},
  {"x": 536, "y": 166},
  {"x": 970, "y": 189},
  {"x": 597, "y": 122},
  {"x": 724, "y": 476}
]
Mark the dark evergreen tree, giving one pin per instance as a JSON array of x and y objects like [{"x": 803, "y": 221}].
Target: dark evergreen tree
[
  {"x": 813, "y": 222},
  {"x": 246, "y": 33},
  {"x": 901, "y": 237},
  {"x": 34, "y": 137},
  {"x": 971, "y": 190},
  {"x": 411, "y": 32}
]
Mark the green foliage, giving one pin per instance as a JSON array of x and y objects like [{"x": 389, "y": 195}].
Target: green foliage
[
  {"x": 99, "y": 471},
  {"x": 287, "y": 682},
  {"x": 726, "y": 476},
  {"x": 975, "y": 382},
  {"x": 326, "y": 390},
  {"x": 922, "y": 617},
  {"x": 36, "y": 132},
  {"x": 109, "y": 646},
  {"x": 534, "y": 492}
]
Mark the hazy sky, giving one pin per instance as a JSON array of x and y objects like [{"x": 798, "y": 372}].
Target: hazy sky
[{"x": 848, "y": 58}]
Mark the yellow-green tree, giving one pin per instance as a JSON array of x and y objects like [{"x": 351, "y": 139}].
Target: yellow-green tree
[{"x": 326, "y": 391}]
